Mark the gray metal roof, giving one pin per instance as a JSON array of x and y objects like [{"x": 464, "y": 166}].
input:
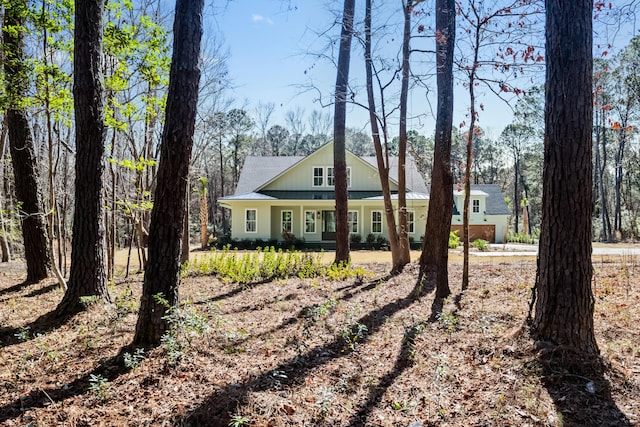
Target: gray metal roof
[
  {"x": 495, "y": 200},
  {"x": 415, "y": 182},
  {"x": 257, "y": 170}
]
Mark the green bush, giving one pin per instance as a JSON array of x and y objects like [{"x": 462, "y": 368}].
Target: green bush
[
  {"x": 480, "y": 244},
  {"x": 454, "y": 239}
]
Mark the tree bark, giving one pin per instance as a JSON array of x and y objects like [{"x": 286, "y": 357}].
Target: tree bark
[
  {"x": 435, "y": 247},
  {"x": 162, "y": 274},
  {"x": 403, "y": 236},
  {"x": 563, "y": 297},
  {"x": 339, "y": 137},
  {"x": 23, "y": 158},
  {"x": 382, "y": 159},
  {"x": 87, "y": 276}
]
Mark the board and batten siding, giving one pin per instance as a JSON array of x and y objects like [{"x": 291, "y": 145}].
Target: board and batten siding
[{"x": 300, "y": 177}]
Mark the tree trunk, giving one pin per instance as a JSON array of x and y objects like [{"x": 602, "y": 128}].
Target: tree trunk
[
  {"x": 467, "y": 170},
  {"x": 403, "y": 236},
  {"x": 29, "y": 198},
  {"x": 339, "y": 130},
  {"x": 516, "y": 195},
  {"x": 381, "y": 158},
  {"x": 87, "y": 276},
  {"x": 162, "y": 274},
  {"x": 563, "y": 297},
  {"x": 435, "y": 247}
]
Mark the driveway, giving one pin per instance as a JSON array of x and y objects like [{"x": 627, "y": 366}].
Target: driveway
[{"x": 514, "y": 249}]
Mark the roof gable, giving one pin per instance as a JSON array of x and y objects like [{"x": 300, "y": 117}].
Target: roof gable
[{"x": 295, "y": 172}]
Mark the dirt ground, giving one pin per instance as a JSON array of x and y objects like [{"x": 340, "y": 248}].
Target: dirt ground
[{"x": 316, "y": 352}]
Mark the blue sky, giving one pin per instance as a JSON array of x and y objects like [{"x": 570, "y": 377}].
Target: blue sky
[{"x": 268, "y": 41}]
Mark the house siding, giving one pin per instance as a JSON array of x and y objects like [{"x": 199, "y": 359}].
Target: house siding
[{"x": 300, "y": 177}]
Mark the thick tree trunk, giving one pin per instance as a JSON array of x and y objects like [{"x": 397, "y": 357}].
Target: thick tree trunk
[
  {"x": 339, "y": 129},
  {"x": 87, "y": 276},
  {"x": 29, "y": 198},
  {"x": 563, "y": 297},
  {"x": 162, "y": 274},
  {"x": 435, "y": 249}
]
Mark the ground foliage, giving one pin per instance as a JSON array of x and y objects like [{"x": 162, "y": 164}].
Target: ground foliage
[{"x": 315, "y": 351}]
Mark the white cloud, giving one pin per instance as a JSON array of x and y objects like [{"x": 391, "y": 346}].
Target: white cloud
[{"x": 260, "y": 18}]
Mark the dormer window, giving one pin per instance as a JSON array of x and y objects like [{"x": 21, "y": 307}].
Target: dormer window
[
  {"x": 326, "y": 177},
  {"x": 476, "y": 205},
  {"x": 330, "y": 177},
  {"x": 318, "y": 176}
]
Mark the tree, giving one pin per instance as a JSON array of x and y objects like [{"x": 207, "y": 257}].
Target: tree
[
  {"x": 339, "y": 128},
  {"x": 202, "y": 190},
  {"x": 380, "y": 133},
  {"x": 238, "y": 123},
  {"x": 562, "y": 294},
  {"x": 162, "y": 274},
  {"x": 23, "y": 158},
  {"x": 87, "y": 276},
  {"x": 517, "y": 139},
  {"x": 487, "y": 25},
  {"x": 435, "y": 249}
]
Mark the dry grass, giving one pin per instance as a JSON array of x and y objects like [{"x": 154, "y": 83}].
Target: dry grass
[{"x": 315, "y": 352}]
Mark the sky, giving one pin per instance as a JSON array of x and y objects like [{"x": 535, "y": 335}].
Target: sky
[{"x": 268, "y": 43}]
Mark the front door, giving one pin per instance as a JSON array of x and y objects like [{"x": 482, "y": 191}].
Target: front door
[{"x": 328, "y": 225}]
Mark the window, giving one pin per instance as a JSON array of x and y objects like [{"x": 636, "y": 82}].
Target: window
[
  {"x": 287, "y": 221},
  {"x": 330, "y": 177},
  {"x": 476, "y": 206},
  {"x": 310, "y": 221},
  {"x": 352, "y": 220},
  {"x": 411, "y": 222},
  {"x": 318, "y": 176},
  {"x": 250, "y": 221},
  {"x": 376, "y": 222}
]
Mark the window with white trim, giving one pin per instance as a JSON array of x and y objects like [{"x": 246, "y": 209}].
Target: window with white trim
[
  {"x": 318, "y": 176},
  {"x": 331, "y": 179},
  {"x": 476, "y": 205},
  {"x": 411, "y": 223},
  {"x": 287, "y": 221},
  {"x": 376, "y": 221},
  {"x": 348, "y": 176},
  {"x": 251, "y": 220},
  {"x": 352, "y": 221},
  {"x": 310, "y": 221}
]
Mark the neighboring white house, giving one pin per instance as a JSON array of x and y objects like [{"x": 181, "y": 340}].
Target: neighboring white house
[{"x": 294, "y": 195}]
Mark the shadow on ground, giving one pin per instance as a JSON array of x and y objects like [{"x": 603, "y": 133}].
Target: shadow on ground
[
  {"x": 109, "y": 369},
  {"x": 217, "y": 408},
  {"x": 580, "y": 391}
]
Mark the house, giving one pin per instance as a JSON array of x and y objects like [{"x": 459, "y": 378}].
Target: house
[{"x": 293, "y": 195}]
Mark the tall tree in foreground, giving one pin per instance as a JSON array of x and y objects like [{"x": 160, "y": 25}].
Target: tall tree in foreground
[
  {"x": 87, "y": 276},
  {"x": 380, "y": 136},
  {"x": 435, "y": 248},
  {"x": 563, "y": 297},
  {"x": 21, "y": 143},
  {"x": 162, "y": 274},
  {"x": 339, "y": 134}
]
